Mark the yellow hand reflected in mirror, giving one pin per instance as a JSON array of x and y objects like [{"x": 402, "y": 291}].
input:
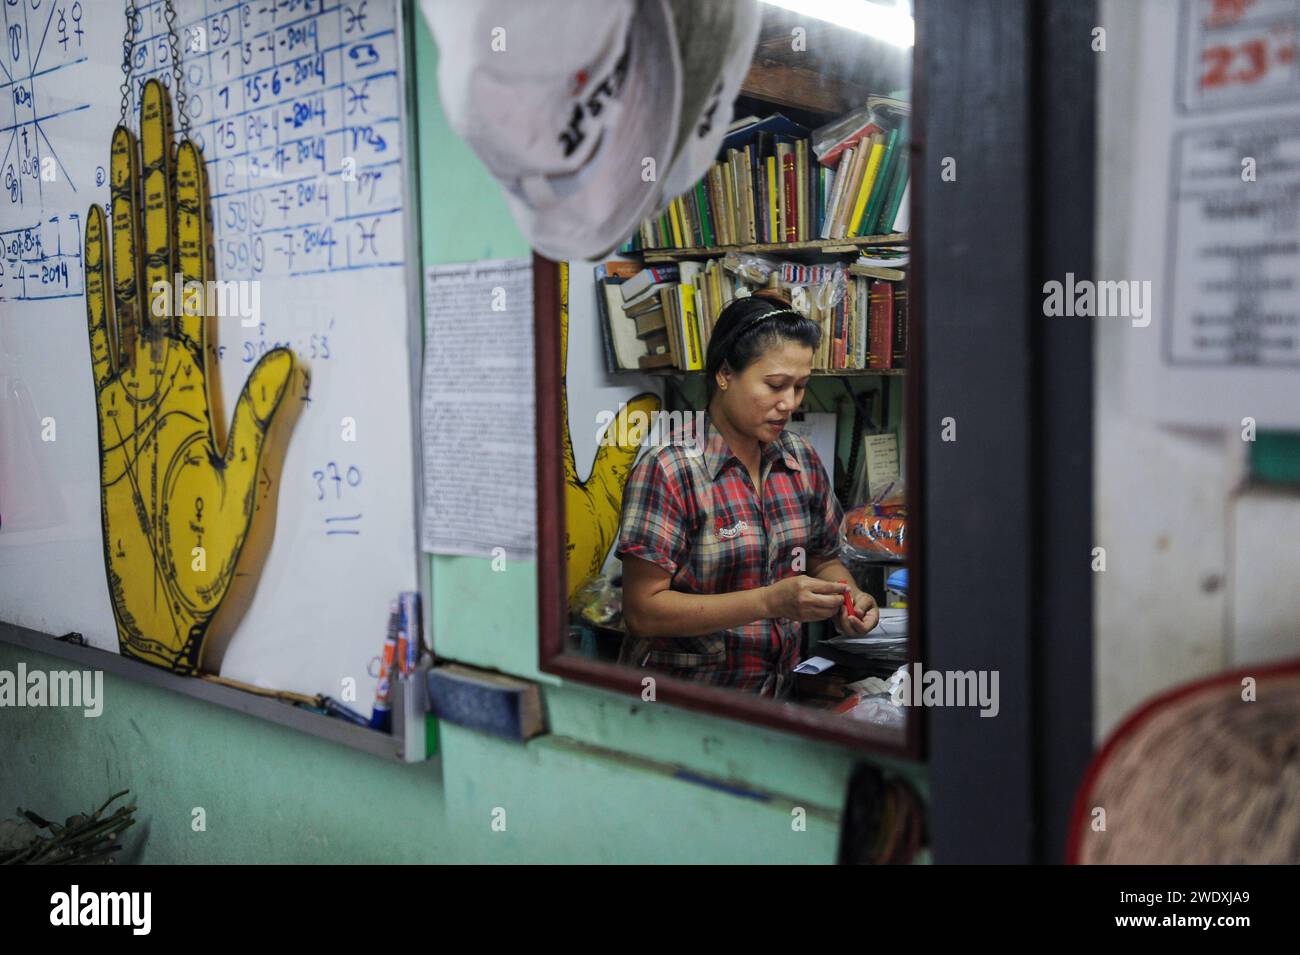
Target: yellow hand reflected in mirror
[{"x": 592, "y": 507}]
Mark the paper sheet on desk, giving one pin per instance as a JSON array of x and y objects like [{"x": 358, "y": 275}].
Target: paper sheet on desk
[
  {"x": 814, "y": 665},
  {"x": 477, "y": 409},
  {"x": 892, "y": 626},
  {"x": 887, "y": 638}
]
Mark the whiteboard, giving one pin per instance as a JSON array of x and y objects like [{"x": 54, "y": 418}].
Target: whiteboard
[{"x": 280, "y": 93}]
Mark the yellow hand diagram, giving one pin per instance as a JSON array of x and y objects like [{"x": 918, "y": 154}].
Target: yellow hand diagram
[
  {"x": 593, "y": 507},
  {"x": 176, "y": 509}
]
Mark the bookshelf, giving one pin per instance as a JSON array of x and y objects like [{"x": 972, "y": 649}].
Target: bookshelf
[
  {"x": 787, "y": 96},
  {"x": 863, "y": 398}
]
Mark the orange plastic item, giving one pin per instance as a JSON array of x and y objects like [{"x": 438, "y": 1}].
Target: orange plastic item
[{"x": 872, "y": 535}]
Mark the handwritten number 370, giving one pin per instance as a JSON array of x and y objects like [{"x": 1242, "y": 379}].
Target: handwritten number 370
[{"x": 331, "y": 472}]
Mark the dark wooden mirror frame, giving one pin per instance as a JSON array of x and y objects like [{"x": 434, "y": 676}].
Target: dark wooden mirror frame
[
  {"x": 1008, "y": 87},
  {"x": 552, "y": 577}
]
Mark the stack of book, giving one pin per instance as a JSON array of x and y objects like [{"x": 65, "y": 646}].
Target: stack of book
[
  {"x": 866, "y": 329},
  {"x": 768, "y": 186},
  {"x": 663, "y": 316},
  {"x": 862, "y": 314},
  {"x": 869, "y": 194},
  {"x": 878, "y": 286}
]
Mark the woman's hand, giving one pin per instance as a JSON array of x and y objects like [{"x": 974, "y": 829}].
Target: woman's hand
[
  {"x": 804, "y": 598},
  {"x": 867, "y": 615}
]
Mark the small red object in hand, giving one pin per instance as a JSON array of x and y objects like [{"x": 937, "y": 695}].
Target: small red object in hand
[{"x": 848, "y": 602}]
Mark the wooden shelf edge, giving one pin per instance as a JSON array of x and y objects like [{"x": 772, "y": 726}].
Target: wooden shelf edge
[
  {"x": 272, "y": 710},
  {"x": 825, "y": 246},
  {"x": 817, "y": 372}
]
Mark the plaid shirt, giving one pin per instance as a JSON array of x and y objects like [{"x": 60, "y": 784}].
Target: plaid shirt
[{"x": 698, "y": 517}]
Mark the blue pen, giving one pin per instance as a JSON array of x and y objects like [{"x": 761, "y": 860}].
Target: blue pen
[
  {"x": 410, "y": 629},
  {"x": 335, "y": 708}
]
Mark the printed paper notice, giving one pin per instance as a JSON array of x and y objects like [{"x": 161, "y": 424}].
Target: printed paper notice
[
  {"x": 882, "y": 464},
  {"x": 1215, "y": 214},
  {"x": 477, "y": 415}
]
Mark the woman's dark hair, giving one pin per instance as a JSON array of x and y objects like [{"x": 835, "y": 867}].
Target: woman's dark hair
[{"x": 750, "y": 326}]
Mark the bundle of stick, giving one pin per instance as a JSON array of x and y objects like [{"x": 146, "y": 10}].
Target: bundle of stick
[{"x": 81, "y": 840}]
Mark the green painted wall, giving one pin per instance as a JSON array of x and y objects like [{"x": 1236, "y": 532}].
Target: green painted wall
[
  {"x": 599, "y": 788},
  {"x": 1275, "y": 457}
]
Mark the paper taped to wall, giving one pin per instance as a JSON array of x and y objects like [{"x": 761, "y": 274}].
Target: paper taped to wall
[{"x": 477, "y": 415}]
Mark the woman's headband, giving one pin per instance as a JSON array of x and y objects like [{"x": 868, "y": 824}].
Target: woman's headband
[
  {"x": 781, "y": 311},
  {"x": 750, "y": 322}
]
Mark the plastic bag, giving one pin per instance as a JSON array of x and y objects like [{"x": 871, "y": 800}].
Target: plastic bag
[
  {"x": 876, "y": 699},
  {"x": 881, "y": 113},
  {"x": 825, "y": 284},
  {"x": 752, "y": 268},
  {"x": 598, "y": 601},
  {"x": 875, "y": 532},
  {"x": 879, "y": 710}
]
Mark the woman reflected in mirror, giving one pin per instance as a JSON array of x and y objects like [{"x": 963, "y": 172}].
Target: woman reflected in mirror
[{"x": 730, "y": 537}]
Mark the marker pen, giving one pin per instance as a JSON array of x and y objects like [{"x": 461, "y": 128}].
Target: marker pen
[
  {"x": 381, "y": 716},
  {"x": 848, "y": 602}
]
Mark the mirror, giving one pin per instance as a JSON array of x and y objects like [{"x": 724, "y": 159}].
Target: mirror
[{"x": 723, "y": 407}]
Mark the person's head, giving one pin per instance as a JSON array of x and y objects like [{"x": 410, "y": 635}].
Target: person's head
[{"x": 758, "y": 364}]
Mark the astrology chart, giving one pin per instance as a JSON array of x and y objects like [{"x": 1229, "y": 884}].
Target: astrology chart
[
  {"x": 40, "y": 226},
  {"x": 291, "y": 102}
]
